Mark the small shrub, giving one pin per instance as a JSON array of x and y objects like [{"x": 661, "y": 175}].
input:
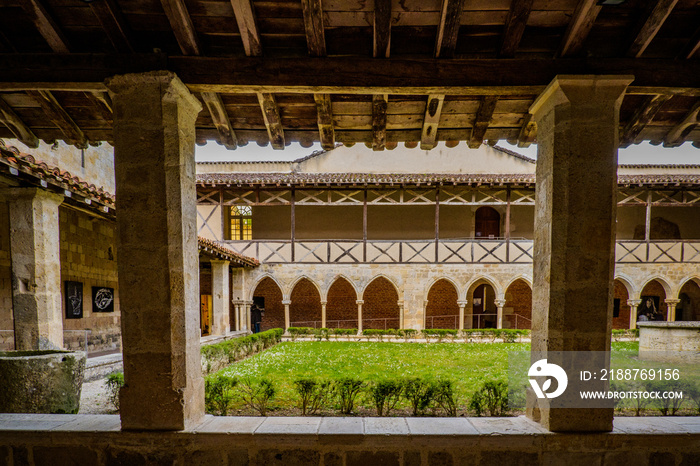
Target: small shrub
[
  {"x": 218, "y": 393},
  {"x": 445, "y": 397},
  {"x": 221, "y": 354},
  {"x": 257, "y": 395},
  {"x": 344, "y": 331},
  {"x": 115, "y": 382},
  {"x": 492, "y": 397},
  {"x": 510, "y": 335},
  {"x": 297, "y": 331},
  {"x": 693, "y": 392},
  {"x": 440, "y": 333},
  {"x": 666, "y": 406},
  {"x": 419, "y": 392},
  {"x": 385, "y": 395},
  {"x": 322, "y": 334},
  {"x": 407, "y": 333},
  {"x": 312, "y": 395},
  {"x": 347, "y": 389}
]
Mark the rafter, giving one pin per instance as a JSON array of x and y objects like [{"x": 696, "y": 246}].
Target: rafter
[
  {"x": 273, "y": 122},
  {"x": 579, "y": 27},
  {"x": 219, "y": 116},
  {"x": 102, "y": 102},
  {"x": 679, "y": 133},
  {"x": 448, "y": 28},
  {"x": 379, "y": 107},
  {"x": 15, "y": 124},
  {"x": 114, "y": 24},
  {"x": 528, "y": 131},
  {"x": 248, "y": 27},
  {"x": 482, "y": 121},
  {"x": 313, "y": 23},
  {"x": 692, "y": 47},
  {"x": 324, "y": 109},
  {"x": 382, "y": 28},
  {"x": 641, "y": 118},
  {"x": 182, "y": 26},
  {"x": 651, "y": 25},
  {"x": 515, "y": 27},
  {"x": 57, "y": 114},
  {"x": 431, "y": 121},
  {"x": 47, "y": 26}
]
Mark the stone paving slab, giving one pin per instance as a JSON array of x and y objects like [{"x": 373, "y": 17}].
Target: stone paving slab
[
  {"x": 289, "y": 425},
  {"x": 342, "y": 425},
  {"x": 93, "y": 423},
  {"x": 507, "y": 425},
  {"x": 647, "y": 425},
  {"x": 229, "y": 425},
  {"x": 690, "y": 423},
  {"x": 385, "y": 426},
  {"x": 440, "y": 426}
]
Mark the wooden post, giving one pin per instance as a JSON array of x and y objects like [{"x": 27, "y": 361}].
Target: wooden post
[
  {"x": 364, "y": 227},
  {"x": 437, "y": 222},
  {"x": 647, "y": 222},
  {"x": 293, "y": 220},
  {"x": 508, "y": 225}
]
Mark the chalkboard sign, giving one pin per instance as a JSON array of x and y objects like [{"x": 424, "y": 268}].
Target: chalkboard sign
[
  {"x": 73, "y": 296},
  {"x": 102, "y": 299}
]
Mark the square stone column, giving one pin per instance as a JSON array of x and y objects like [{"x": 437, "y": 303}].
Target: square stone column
[
  {"x": 220, "y": 297},
  {"x": 154, "y": 115},
  {"x": 36, "y": 267},
  {"x": 577, "y": 138}
]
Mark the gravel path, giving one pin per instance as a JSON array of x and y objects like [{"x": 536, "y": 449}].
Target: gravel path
[{"x": 94, "y": 399}]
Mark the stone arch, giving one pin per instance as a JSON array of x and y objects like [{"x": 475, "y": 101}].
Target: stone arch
[
  {"x": 442, "y": 310},
  {"x": 621, "y": 294},
  {"x": 483, "y": 279},
  {"x": 341, "y": 307},
  {"x": 268, "y": 289},
  {"x": 661, "y": 280},
  {"x": 524, "y": 277},
  {"x": 658, "y": 290},
  {"x": 381, "y": 304},
  {"x": 260, "y": 279},
  {"x": 305, "y": 304},
  {"x": 381, "y": 275},
  {"x": 483, "y": 309},
  {"x": 628, "y": 283},
  {"x": 347, "y": 279},
  {"x": 300, "y": 278},
  {"x": 688, "y": 308},
  {"x": 517, "y": 311}
]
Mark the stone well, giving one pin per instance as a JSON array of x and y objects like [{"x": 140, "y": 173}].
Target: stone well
[
  {"x": 41, "y": 381},
  {"x": 668, "y": 341}
]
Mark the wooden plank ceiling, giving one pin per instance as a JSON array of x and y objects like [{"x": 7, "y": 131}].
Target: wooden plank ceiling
[{"x": 377, "y": 72}]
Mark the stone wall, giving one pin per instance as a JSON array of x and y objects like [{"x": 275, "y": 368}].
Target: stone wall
[{"x": 6, "y": 325}]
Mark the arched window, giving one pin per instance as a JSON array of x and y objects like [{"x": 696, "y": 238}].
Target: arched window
[
  {"x": 487, "y": 223},
  {"x": 240, "y": 223}
]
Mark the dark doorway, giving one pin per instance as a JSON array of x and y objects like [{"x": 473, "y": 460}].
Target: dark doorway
[{"x": 487, "y": 223}]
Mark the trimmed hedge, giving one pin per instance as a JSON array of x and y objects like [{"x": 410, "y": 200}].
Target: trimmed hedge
[{"x": 220, "y": 355}]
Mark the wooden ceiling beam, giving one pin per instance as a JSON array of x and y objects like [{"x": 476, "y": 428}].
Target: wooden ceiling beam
[
  {"x": 515, "y": 27},
  {"x": 528, "y": 131},
  {"x": 313, "y": 23},
  {"x": 47, "y": 26},
  {"x": 181, "y": 24},
  {"x": 102, "y": 102},
  {"x": 650, "y": 26},
  {"x": 642, "y": 117},
  {"x": 680, "y": 132},
  {"x": 448, "y": 28},
  {"x": 15, "y": 124},
  {"x": 273, "y": 122},
  {"x": 692, "y": 47},
  {"x": 324, "y": 110},
  {"x": 227, "y": 137},
  {"x": 382, "y": 28},
  {"x": 110, "y": 16},
  {"x": 579, "y": 27},
  {"x": 58, "y": 115},
  {"x": 482, "y": 121},
  {"x": 379, "y": 107},
  {"x": 431, "y": 121},
  {"x": 248, "y": 27}
]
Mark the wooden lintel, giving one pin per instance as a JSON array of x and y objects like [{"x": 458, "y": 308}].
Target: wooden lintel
[
  {"x": 219, "y": 116},
  {"x": 379, "y": 107},
  {"x": 110, "y": 16},
  {"x": 47, "y": 26},
  {"x": 642, "y": 116},
  {"x": 679, "y": 133},
  {"x": 482, "y": 121},
  {"x": 515, "y": 27},
  {"x": 15, "y": 124},
  {"x": 181, "y": 24},
  {"x": 431, "y": 121},
  {"x": 382, "y": 28},
  {"x": 324, "y": 109},
  {"x": 57, "y": 114},
  {"x": 248, "y": 27},
  {"x": 273, "y": 122},
  {"x": 102, "y": 102},
  {"x": 528, "y": 131},
  {"x": 313, "y": 23},
  {"x": 579, "y": 27},
  {"x": 650, "y": 26},
  {"x": 448, "y": 28}
]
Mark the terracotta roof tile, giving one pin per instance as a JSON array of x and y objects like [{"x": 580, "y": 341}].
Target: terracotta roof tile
[{"x": 225, "y": 253}]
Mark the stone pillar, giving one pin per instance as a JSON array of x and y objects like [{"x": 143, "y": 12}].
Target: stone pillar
[
  {"x": 359, "y": 316},
  {"x": 401, "y": 311},
  {"x": 221, "y": 296},
  {"x": 462, "y": 305},
  {"x": 246, "y": 320},
  {"x": 235, "y": 325},
  {"x": 499, "y": 312},
  {"x": 323, "y": 313},
  {"x": 425, "y": 314},
  {"x": 36, "y": 268},
  {"x": 577, "y": 133},
  {"x": 154, "y": 116},
  {"x": 286, "y": 303},
  {"x": 671, "y": 305},
  {"x": 633, "y": 304}
]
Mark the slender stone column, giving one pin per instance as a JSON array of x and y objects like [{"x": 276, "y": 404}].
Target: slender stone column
[
  {"x": 36, "y": 267},
  {"x": 425, "y": 314},
  {"x": 237, "y": 315},
  {"x": 221, "y": 297},
  {"x": 671, "y": 305},
  {"x": 286, "y": 303},
  {"x": 468, "y": 315},
  {"x": 323, "y": 313},
  {"x": 248, "y": 306},
  {"x": 577, "y": 133},
  {"x": 462, "y": 305},
  {"x": 359, "y": 315},
  {"x": 499, "y": 312},
  {"x": 154, "y": 115},
  {"x": 633, "y": 304}
]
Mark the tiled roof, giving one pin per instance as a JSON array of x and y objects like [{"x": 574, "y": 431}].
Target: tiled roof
[
  {"x": 221, "y": 252},
  {"x": 514, "y": 154}
]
